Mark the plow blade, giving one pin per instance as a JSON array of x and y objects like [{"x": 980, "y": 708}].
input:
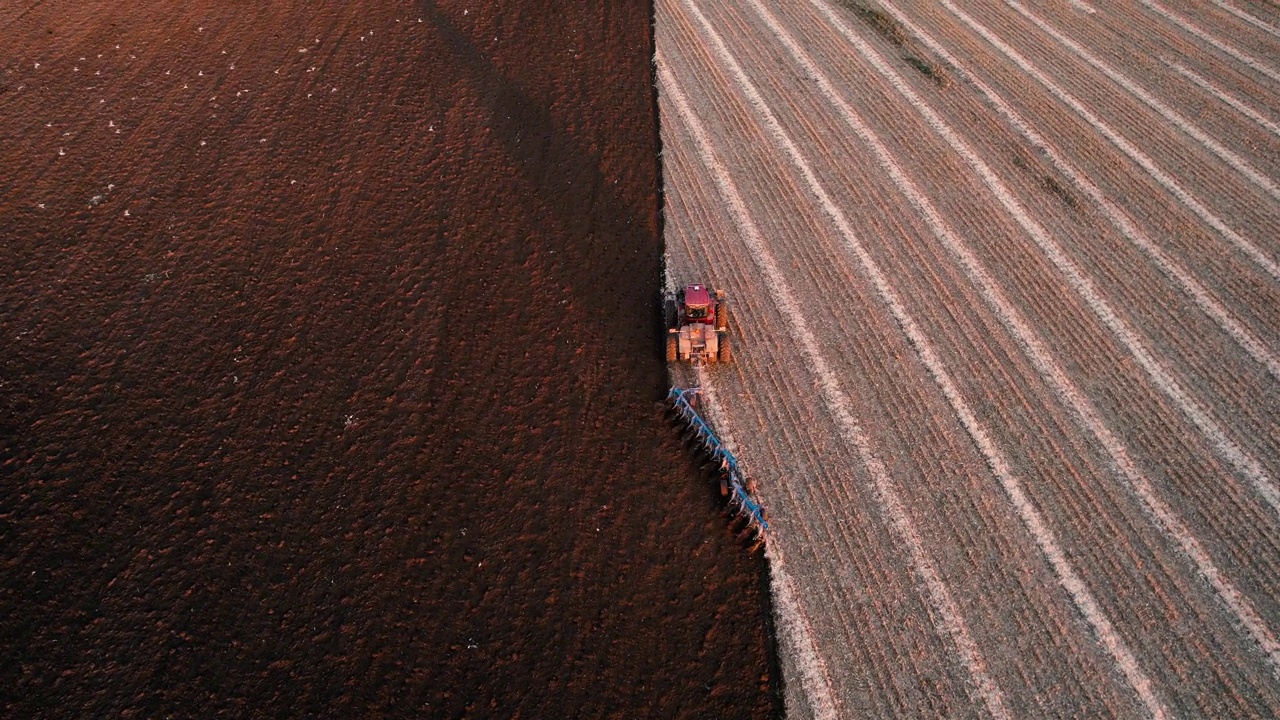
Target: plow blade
[{"x": 733, "y": 481}]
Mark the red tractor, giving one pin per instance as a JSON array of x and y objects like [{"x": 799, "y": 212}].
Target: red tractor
[{"x": 698, "y": 326}]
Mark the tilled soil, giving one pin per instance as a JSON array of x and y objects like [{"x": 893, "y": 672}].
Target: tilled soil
[{"x": 329, "y": 374}]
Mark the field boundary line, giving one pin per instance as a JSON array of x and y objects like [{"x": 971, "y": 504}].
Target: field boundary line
[
  {"x": 1084, "y": 7},
  {"x": 1249, "y": 342},
  {"x": 821, "y": 510},
  {"x": 815, "y": 676},
  {"x": 1170, "y": 115},
  {"x": 1192, "y": 203},
  {"x": 1254, "y": 21},
  {"x": 950, "y": 620},
  {"x": 1246, "y": 615},
  {"x": 1236, "y": 103},
  {"x": 1225, "y": 47},
  {"x": 1227, "y": 449},
  {"x": 1045, "y": 539}
]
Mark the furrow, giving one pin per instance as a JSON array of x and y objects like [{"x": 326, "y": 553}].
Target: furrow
[
  {"x": 1259, "y": 256},
  {"x": 1113, "y": 213},
  {"x": 798, "y": 455},
  {"x": 810, "y": 69},
  {"x": 1083, "y": 597},
  {"x": 780, "y": 422},
  {"x": 803, "y": 423},
  {"x": 948, "y": 616},
  {"x": 1225, "y": 529},
  {"x": 1227, "y": 99},
  {"x": 1193, "y": 29},
  {"x": 926, "y": 265},
  {"x": 1244, "y": 612},
  {"x": 1254, "y": 21},
  {"x": 1244, "y": 463},
  {"x": 1170, "y": 116},
  {"x": 793, "y": 422}
]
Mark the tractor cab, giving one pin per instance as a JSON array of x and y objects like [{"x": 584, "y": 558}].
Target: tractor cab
[
  {"x": 699, "y": 307},
  {"x": 698, "y": 326}
]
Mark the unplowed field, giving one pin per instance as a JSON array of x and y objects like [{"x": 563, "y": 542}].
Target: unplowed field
[{"x": 1006, "y": 285}]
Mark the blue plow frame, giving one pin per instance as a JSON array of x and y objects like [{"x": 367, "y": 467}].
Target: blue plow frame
[{"x": 741, "y": 500}]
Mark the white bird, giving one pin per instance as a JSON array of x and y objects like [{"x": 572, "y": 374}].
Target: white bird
[{"x": 61, "y": 152}]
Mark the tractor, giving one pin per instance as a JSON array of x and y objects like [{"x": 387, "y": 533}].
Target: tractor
[{"x": 698, "y": 326}]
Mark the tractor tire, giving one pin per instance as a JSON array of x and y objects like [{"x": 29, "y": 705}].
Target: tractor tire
[
  {"x": 672, "y": 349},
  {"x": 722, "y": 316},
  {"x": 670, "y": 313},
  {"x": 725, "y": 354}
]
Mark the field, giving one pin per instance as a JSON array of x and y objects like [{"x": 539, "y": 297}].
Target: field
[
  {"x": 1006, "y": 284},
  {"x": 329, "y": 372}
]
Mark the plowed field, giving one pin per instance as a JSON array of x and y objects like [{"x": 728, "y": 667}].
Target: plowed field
[
  {"x": 1006, "y": 282},
  {"x": 329, "y": 372}
]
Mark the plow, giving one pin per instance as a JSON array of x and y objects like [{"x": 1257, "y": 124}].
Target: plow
[{"x": 735, "y": 485}]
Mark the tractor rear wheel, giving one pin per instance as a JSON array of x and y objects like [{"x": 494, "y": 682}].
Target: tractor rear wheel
[
  {"x": 672, "y": 349},
  {"x": 725, "y": 353},
  {"x": 722, "y": 316}
]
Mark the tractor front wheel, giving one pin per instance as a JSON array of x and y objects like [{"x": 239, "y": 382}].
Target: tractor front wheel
[
  {"x": 672, "y": 349},
  {"x": 722, "y": 316},
  {"x": 725, "y": 353},
  {"x": 670, "y": 313}
]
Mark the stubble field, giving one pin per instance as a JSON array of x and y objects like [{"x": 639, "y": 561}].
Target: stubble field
[{"x": 1007, "y": 292}]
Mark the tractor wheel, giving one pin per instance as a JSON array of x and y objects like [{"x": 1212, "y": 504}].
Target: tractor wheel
[
  {"x": 725, "y": 354},
  {"x": 722, "y": 316},
  {"x": 672, "y": 349},
  {"x": 669, "y": 313}
]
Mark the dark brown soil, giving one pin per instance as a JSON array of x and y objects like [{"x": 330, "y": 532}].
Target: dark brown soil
[{"x": 329, "y": 372}]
